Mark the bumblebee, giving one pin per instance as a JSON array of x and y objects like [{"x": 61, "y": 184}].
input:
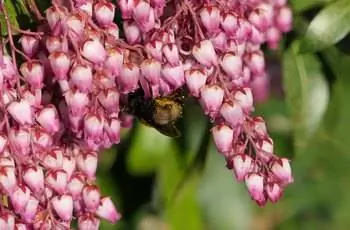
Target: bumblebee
[{"x": 161, "y": 113}]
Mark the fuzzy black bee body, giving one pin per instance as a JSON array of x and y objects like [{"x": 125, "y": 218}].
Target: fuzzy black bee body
[{"x": 161, "y": 113}]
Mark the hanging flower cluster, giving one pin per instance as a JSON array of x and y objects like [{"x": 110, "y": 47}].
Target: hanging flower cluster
[{"x": 61, "y": 106}]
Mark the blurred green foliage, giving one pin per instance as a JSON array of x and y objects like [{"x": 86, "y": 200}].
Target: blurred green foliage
[{"x": 160, "y": 183}]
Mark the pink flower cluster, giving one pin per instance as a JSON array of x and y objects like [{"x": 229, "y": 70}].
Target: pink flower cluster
[{"x": 62, "y": 104}]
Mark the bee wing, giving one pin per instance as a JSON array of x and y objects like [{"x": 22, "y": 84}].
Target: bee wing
[
  {"x": 146, "y": 123},
  {"x": 169, "y": 130}
]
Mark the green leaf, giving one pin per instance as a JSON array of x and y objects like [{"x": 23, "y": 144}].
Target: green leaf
[
  {"x": 147, "y": 150},
  {"x": 307, "y": 93},
  {"x": 328, "y": 27},
  {"x": 107, "y": 159},
  {"x": 225, "y": 204},
  {"x": 302, "y": 5},
  {"x": 183, "y": 212},
  {"x": 323, "y": 168},
  {"x": 12, "y": 14}
]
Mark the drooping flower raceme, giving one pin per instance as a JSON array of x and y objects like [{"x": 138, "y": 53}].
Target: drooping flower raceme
[{"x": 61, "y": 106}]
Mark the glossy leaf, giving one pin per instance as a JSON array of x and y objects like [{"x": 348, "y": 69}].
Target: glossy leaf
[
  {"x": 307, "y": 93},
  {"x": 323, "y": 168},
  {"x": 147, "y": 149},
  {"x": 302, "y": 5},
  {"x": 225, "y": 203},
  {"x": 182, "y": 212},
  {"x": 328, "y": 27},
  {"x": 12, "y": 14}
]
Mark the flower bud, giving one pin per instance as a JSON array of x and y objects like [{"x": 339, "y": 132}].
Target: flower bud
[
  {"x": 19, "y": 198},
  {"x": 237, "y": 48},
  {"x": 107, "y": 211},
  {"x": 81, "y": 77},
  {"x": 20, "y": 226},
  {"x": 232, "y": 113},
  {"x": 171, "y": 53},
  {"x": 151, "y": 70},
  {"x": 53, "y": 44},
  {"x": 223, "y": 138},
  {"x": 284, "y": 18},
  {"x": 78, "y": 206},
  {"x": 54, "y": 17},
  {"x": 48, "y": 119},
  {"x": 19, "y": 141},
  {"x": 229, "y": 24},
  {"x": 204, "y": 53},
  {"x": 174, "y": 75},
  {"x": 93, "y": 126},
  {"x": 242, "y": 165},
  {"x": 255, "y": 186},
  {"x": 30, "y": 210},
  {"x": 21, "y": 112},
  {"x": 144, "y": 16},
  {"x": 94, "y": 51},
  {"x": 33, "y": 98},
  {"x": 33, "y": 73},
  {"x": 220, "y": 41},
  {"x": 273, "y": 36},
  {"x": 274, "y": 192},
  {"x": 265, "y": 149},
  {"x": 109, "y": 99},
  {"x": 282, "y": 170},
  {"x": 86, "y": 7},
  {"x": 77, "y": 102},
  {"x": 7, "y": 220},
  {"x": 114, "y": 61},
  {"x": 69, "y": 165},
  {"x": 104, "y": 13},
  {"x": 53, "y": 159},
  {"x": 126, "y": 7},
  {"x": 243, "y": 31},
  {"x": 34, "y": 178},
  {"x": 30, "y": 45},
  {"x": 91, "y": 197},
  {"x": 76, "y": 24},
  {"x": 76, "y": 184},
  {"x": 57, "y": 180},
  {"x": 87, "y": 163},
  {"x": 7, "y": 68},
  {"x": 256, "y": 63},
  {"x": 63, "y": 206},
  {"x": 132, "y": 32},
  {"x": 195, "y": 80},
  {"x": 210, "y": 18},
  {"x": 142, "y": 10},
  {"x": 129, "y": 78},
  {"x": 259, "y": 126},
  {"x": 112, "y": 128},
  {"x": 8, "y": 180},
  {"x": 60, "y": 65},
  {"x": 8, "y": 96},
  {"x": 245, "y": 98},
  {"x": 75, "y": 122},
  {"x": 257, "y": 37},
  {"x": 231, "y": 64},
  {"x": 88, "y": 221},
  {"x": 261, "y": 18},
  {"x": 211, "y": 98},
  {"x": 154, "y": 49}
]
